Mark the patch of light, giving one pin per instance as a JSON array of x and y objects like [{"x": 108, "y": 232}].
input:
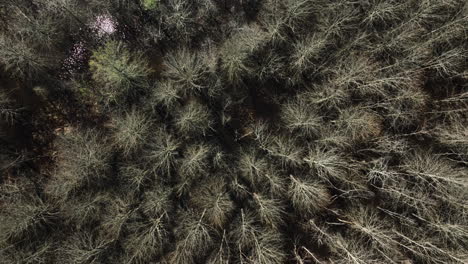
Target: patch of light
[
  {"x": 104, "y": 25},
  {"x": 76, "y": 59}
]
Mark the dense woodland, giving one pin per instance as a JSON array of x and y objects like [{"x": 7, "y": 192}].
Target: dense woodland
[{"x": 234, "y": 131}]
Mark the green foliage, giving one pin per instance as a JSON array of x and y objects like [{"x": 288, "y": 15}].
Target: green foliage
[
  {"x": 150, "y": 4},
  {"x": 118, "y": 71}
]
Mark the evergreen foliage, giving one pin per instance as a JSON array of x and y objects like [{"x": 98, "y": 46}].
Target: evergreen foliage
[{"x": 118, "y": 71}]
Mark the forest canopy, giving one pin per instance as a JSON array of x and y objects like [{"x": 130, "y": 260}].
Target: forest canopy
[{"x": 224, "y": 131}]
